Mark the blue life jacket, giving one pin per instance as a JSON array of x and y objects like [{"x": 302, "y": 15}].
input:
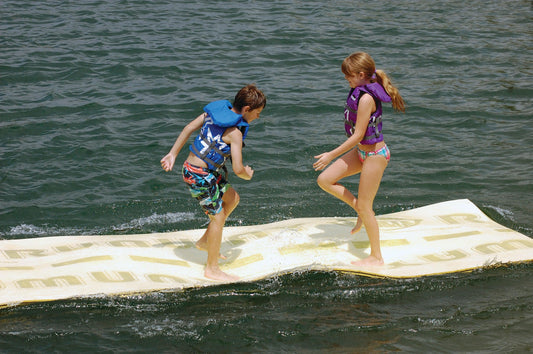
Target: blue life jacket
[
  {"x": 209, "y": 145},
  {"x": 373, "y": 132}
]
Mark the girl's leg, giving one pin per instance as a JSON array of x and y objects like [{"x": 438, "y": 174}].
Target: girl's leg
[
  {"x": 347, "y": 165},
  {"x": 369, "y": 182}
]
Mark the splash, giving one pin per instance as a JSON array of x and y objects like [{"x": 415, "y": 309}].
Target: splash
[
  {"x": 154, "y": 219},
  {"x": 142, "y": 223}
]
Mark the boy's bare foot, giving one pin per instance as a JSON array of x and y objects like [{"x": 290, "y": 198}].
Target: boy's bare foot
[
  {"x": 358, "y": 226},
  {"x": 369, "y": 261},
  {"x": 217, "y": 274},
  {"x": 203, "y": 247}
]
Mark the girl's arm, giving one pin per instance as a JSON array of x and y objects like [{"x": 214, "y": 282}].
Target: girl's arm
[
  {"x": 364, "y": 110},
  {"x": 167, "y": 162}
]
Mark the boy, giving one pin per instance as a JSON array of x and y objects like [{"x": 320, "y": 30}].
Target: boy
[{"x": 223, "y": 129}]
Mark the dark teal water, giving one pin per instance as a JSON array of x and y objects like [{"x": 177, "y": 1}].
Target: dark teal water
[{"x": 93, "y": 94}]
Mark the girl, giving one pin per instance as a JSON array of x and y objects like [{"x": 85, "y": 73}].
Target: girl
[{"x": 365, "y": 150}]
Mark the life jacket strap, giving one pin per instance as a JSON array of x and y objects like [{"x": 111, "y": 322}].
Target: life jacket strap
[
  {"x": 374, "y": 123},
  {"x": 346, "y": 107},
  {"x": 211, "y": 146}
]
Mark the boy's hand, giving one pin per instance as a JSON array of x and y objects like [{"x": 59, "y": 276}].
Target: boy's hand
[
  {"x": 167, "y": 162},
  {"x": 245, "y": 172},
  {"x": 249, "y": 172}
]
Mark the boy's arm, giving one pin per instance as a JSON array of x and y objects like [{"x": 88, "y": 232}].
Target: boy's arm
[
  {"x": 167, "y": 162},
  {"x": 233, "y": 136}
]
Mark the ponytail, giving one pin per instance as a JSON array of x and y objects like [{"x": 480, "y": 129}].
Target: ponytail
[
  {"x": 397, "y": 100},
  {"x": 363, "y": 62}
]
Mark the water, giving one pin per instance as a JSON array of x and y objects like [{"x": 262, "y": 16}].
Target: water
[{"x": 93, "y": 94}]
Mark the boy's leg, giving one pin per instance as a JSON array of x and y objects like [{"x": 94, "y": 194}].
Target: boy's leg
[
  {"x": 213, "y": 236},
  {"x": 230, "y": 200}
]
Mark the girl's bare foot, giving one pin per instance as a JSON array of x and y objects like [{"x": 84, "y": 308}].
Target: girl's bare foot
[
  {"x": 203, "y": 247},
  {"x": 369, "y": 261},
  {"x": 358, "y": 226},
  {"x": 216, "y": 274}
]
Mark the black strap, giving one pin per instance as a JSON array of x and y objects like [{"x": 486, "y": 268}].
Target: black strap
[{"x": 210, "y": 146}]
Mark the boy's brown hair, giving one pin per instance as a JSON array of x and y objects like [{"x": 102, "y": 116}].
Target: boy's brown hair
[{"x": 250, "y": 96}]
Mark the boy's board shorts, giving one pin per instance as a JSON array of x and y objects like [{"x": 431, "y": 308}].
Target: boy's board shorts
[{"x": 206, "y": 186}]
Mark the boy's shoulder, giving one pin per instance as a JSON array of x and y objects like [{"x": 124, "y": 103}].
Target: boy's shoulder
[{"x": 222, "y": 114}]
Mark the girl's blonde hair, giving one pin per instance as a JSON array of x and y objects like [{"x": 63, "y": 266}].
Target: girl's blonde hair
[{"x": 362, "y": 62}]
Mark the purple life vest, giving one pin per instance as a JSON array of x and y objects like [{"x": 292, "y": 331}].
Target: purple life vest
[{"x": 373, "y": 132}]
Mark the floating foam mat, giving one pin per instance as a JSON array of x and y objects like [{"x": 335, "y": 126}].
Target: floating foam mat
[{"x": 446, "y": 237}]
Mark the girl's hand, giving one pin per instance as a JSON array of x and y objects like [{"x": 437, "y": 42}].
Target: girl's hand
[
  {"x": 167, "y": 162},
  {"x": 323, "y": 160}
]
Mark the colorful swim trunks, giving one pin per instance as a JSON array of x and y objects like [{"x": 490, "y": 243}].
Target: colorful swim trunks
[
  {"x": 206, "y": 186},
  {"x": 384, "y": 151}
]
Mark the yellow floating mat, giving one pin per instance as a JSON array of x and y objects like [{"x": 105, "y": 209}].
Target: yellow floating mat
[{"x": 440, "y": 238}]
